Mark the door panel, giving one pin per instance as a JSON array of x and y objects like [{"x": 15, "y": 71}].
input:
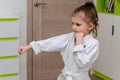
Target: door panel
[
  {"x": 57, "y": 18},
  {"x": 50, "y": 19},
  {"x": 103, "y": 63},
  {"x": 115, "y": 74}
]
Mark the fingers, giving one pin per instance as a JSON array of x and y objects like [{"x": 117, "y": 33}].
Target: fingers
[
  {"x": 79, "y": 38},
  {"x": 21, "y": 50},
  {"x": 79, "y": 34}
]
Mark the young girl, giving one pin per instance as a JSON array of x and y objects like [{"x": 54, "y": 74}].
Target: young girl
[{"x": 78, "y": 49}]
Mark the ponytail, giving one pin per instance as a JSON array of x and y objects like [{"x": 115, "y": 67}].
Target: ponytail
[{"x": 91, "y": 5}]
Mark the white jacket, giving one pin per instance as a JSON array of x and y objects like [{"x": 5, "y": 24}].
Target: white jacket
[{"x": 78, "y": 59}]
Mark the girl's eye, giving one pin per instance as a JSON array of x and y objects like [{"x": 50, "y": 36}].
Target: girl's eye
[{"x": 78, "y": 24}]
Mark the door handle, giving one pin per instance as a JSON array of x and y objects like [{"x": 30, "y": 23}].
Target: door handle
[
  {"x": 112, "y": 30},
  {"x": 36, "y": 4}
]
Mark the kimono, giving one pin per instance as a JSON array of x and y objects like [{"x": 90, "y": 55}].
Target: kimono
[{"x": 78, "y": 59}]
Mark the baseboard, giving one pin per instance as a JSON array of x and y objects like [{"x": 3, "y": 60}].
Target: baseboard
[{"x": 100, "y": 75}]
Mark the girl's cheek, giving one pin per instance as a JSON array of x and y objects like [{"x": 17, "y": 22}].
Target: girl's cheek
[{"x": 80, "y": 30}]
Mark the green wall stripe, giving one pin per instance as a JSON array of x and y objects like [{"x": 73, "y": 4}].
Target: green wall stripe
[
  {"x": 104, "y": 77},
  {"x": 8, "y": 75},
  {"x": 8, "y": 57},
  {"x": 8, "y": 39},
  {"x": 8, "y": 19}
]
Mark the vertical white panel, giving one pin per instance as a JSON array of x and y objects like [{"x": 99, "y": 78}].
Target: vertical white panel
[
  {"x": 115, "y": 72},
  {"x": 103, "y": 63}
]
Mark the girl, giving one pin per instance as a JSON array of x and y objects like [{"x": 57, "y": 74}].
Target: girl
[{"x": 78, "y": 49}]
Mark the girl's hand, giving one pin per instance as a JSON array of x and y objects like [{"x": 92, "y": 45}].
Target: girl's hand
[
  {"x": 79, "y": 38},
  {"x": 23, "y": 49}
]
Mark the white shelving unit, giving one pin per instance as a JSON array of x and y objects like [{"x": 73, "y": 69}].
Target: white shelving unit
[
  {"x": 109, "y": 38},
  {"x": 9, "y": 42}
]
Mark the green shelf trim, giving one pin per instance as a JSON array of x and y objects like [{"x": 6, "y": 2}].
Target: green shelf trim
[
  {"x": 8, "y": 57},
  {"x": 101, "y": 4},
  {"x": 117, "y": 7},
  {"x": 8, "y": 75},
  {"x": 8, "y": 39},
  {"x": 102, "y": 76},
  {"x": 8, "y": 19}
]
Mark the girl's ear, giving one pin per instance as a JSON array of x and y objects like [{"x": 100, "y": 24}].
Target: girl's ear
[{"x": 90, "y": 26}]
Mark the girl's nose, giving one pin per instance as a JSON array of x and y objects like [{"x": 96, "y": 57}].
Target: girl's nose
[{"x": 74, "y": 26}]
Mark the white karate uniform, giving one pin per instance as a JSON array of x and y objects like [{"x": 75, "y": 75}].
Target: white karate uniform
[{"x": 78, "y": 59}]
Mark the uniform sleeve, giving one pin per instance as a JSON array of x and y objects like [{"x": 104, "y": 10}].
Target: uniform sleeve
[
  {"x": 50, "y": 44},
  {"x": 86, "y": 54}
]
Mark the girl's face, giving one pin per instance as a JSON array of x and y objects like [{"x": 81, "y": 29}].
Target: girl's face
[{"x": 79, "y": 25}]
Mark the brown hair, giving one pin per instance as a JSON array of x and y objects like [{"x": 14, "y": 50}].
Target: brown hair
[{"x": 91, "y": 15}]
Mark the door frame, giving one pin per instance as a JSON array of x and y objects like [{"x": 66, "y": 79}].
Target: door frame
[{"x": 29, "y": 39}]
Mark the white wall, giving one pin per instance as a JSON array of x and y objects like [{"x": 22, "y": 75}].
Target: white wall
[{"x": 18, "y": 7}]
